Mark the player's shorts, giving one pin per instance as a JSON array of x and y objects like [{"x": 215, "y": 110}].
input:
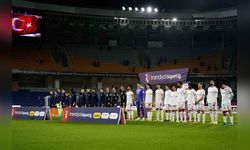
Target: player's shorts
[
  {"x": 191, "y": 107},
  {"x": 181, "y": 105},
  {"x": 212, "y": 106},
  {"x": 158, "y": 106},
  {"x": 226, "y": 106},
  {"x": 173, "y": 107},
  {"x": 200, "y": 107},
  {"x": 167, "y": 107},
  {"x": 129, "y": 106},
  {"x": 148, "y": 105}
]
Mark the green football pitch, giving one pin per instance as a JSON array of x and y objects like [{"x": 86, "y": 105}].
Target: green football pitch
[{"x": 56, "y": 135}]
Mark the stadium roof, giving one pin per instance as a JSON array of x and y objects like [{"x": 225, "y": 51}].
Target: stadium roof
[{"x": 163, "y": 5}]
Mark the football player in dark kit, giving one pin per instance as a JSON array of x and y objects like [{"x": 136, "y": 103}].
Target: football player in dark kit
[
  {"x": 95, "y": 98},
  {"x": 51, "y": 99},
  {"x": 88, "y": 98},
  {"x": 122, "y": 97},
  {"x": 66, "y": 100},
  {"x": 108, "y": 98},
  {"x": 56, "y": 98},
  {"x": 115, "y": 97},
  {"x": 102, "y": 101},
  {"x": 73, "y": 98},
  {"x": 59, "y": 96},
  {"x": 63, "y": 98},
  {"x": 82, "y": 98}
]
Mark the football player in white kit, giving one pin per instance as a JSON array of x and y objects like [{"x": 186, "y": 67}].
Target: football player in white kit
[
  {"x": 167, "y": 102},
  {"x": 227, "y": 96},
  {"x": 173, "y": 101},
  {"x": 149, "y": 101},
  {"x": 181, "y": 103},
  {"x": 129, "y": 103},
  {"x": 159, "y": 95},
  {"x": 212, "y": 95},
  {"x": 200, "y": 95},
  {"x": 191, "y": 95}
]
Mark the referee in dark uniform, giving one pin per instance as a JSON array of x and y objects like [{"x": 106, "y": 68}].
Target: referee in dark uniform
[
  {"x": 102, "y": 101},
  {"x": 115, "y": 97},
  {"x": 95, "y": 98},
  {"x": 88, "y": 98}
]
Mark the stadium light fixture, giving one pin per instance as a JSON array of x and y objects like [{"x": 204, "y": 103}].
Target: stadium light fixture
[
  {"x": 174, "y": 19},
  {"x": 130, "y": 8},
  {"x": 136, "y": 9},
  {"x": 156, "y": 10},
  {"x": 142, "y": 9},
  {"x": 123, "y": 8},
  {"x": 149, "y": 9}
]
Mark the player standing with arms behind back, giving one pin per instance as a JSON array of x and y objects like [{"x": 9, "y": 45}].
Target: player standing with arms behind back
[
  {"x": 212, "y": 95},
  {"x": 159, "y": 94},
  {"x": 149, "y": 101},
  {"x": 200, "y": 95},
  {"x": 129, "y": 103},
  {"x": 167, "y": 102},
  {"x": 227, "y": 96},
  {"x": 173, "y": 101},
  {"x": 191, "y": 93}
]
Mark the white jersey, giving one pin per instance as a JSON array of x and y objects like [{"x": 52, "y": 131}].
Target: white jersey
[
  {"x": 226, "y": 94},
  {"x": 181, "y": 95},
  {"x": 167, "y": 97},
  {"x": 158, "y": 95},
  {"x": 212, "y": 94},
  {"x": 200, "y": 93},
  {"x": 191, "y": 93},
  {"x": 173, "y": 98},
  {"x": 129, "y": 97},
  {"x": 149, "y": 96}
]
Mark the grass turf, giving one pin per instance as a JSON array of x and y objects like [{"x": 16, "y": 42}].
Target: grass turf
[{"x": 56, "y": 135}]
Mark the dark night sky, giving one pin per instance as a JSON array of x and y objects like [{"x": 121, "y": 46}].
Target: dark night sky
[{"x": 161, "y": 4}]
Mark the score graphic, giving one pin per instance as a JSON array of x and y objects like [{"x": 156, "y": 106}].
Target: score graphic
[{"x": 26, "y": 25}]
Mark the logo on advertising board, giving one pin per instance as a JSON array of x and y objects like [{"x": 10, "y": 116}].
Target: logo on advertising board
[
  {"x": 105, "y": 115},
  {"x": 97, "y": 115},
  {"x": 147, "y": 75},
  {"x": 32, "y": 113},
  {"x": 36, "y": 113},
  {"x": 42, "y": 113},
  {"x": 66, "y": 114},
  {"x": 113, "y": 115}
]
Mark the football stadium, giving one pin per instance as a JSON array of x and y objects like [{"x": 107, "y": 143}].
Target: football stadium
[{"x": 116, "y": 74}]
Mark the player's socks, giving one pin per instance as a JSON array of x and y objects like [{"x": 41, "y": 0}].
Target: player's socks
[
  {"x": 157, "y": 115},
  {"x": 173, "y": 116},
  {"x": 194, "y": 116},
  {"x": 185, "y": 116},
  {"x": 167, "y": 116},
  {"x": 215, "y": 117},
  {"x": 190, "y": 116},
  {"x": 231, "y": 120},
  {"x": 199, "y": 117},
  {"x": 162, "y": 115},
  {"x": 148, "y": 115},
  {"x": 128, "y": 115},
  {"x": 203, "y": 118},
  {"x": 151, "y": 115},
  {"x": 177, "y": 116},
  {"x": 181, "y": 116},
  {"x": 212, "y": 116},
  {"x": 132, "y": 115},
  {"x": 225, "y": 119}
]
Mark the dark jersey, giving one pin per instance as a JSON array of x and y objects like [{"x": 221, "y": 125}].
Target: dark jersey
[
  {"x": 108, "y": 99},
  {"x": 102, "y": 100},
  {"x": 88, "y": 99},
  {"x": 123, "y": 98},
  {"x": 115, "y": 99},
  {"x": 52, "y": 100},
  {"x": 82, "y": 100},
  {"x": 94, "y": 99}
]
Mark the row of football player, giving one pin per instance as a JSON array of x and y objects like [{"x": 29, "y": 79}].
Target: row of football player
[{"x": 172, "y": 102}]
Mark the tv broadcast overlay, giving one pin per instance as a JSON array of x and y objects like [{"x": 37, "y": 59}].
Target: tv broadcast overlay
[
  {"x": 26, "y": 25},
  {"x": 105, "y": 115},
  {"x": 32, "y": 113},
  {"x": 162, "y": 77}
]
